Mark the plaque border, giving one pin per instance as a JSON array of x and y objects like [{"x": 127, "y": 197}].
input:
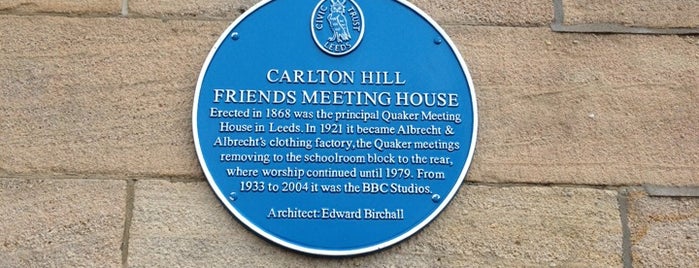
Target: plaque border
[{"x": 325, "y": 252}]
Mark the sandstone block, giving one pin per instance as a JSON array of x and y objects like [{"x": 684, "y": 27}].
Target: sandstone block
[
  {"x": 582, "y": 108},
  {"x": 634, "y": 13},
  {"x": 509, "y": 12},
  {"x": 61, "y": 6},
  {"x": 664, "y": 231},
  {"x": 100, "y": 95},
  {"x": 187, "y": 8},
  {"x": 61, "y": 223},
  {"x": 491, "y": 12},
  {"x": 527, "y": 226},
  {"x": 183, "y": 224}
]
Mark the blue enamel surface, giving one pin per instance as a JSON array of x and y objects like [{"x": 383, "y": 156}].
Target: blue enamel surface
[{"x": 278, "y": 36}]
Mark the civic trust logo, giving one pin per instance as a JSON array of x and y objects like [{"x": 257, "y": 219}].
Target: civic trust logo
[{"x": 337, "y": 26}]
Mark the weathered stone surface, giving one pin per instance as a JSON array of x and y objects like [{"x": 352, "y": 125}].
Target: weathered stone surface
[
  {"x": 97, "y": 95},
  {"x": 509, "y": 12},
  {"x": 61, "y": 223},
  {"x": 183, "y": 224},
  {"x": 490, "y": 12},
  {"x": 527, "y": 226},
  {"x": 667, "y": 191},
  {"x": 580, "y": 108},
  {"x": 189, "y": 8},
  {"x": 644, "y": 13},
  {"x": 61, "y": 6},
  {"x": 664, "y": 231}
]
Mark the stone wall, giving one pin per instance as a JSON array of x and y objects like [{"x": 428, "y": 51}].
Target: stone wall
[{"x": 587, "y": 155}]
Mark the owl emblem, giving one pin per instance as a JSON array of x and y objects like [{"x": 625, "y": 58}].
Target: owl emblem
[
  {"x": 338, "y": 22},
  {"x": 337, "y": 26}
]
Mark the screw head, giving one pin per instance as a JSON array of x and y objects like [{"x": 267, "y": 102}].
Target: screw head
[
  {"x": 235, "y": 36},
  {"x": 436, "y": 198}
]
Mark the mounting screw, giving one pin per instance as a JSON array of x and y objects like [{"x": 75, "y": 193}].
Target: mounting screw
[
  {"x": 438, "y": 41},
  {"x": 436, "y": 198},
  {"x": 233, "y": 196},
  {"x": 235, "y": 36}
]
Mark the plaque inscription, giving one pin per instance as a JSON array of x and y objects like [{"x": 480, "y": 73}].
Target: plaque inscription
[{"x": 327, "y": 145}]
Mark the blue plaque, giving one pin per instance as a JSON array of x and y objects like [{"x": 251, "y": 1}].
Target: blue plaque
[{"x": 335, "y": 127}]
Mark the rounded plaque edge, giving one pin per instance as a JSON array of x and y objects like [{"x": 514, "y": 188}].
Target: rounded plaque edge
[{"x": 337, "y": 253}]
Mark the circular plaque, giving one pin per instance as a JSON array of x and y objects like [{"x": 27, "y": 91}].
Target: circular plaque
[{"x": 335, "y": 127}]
